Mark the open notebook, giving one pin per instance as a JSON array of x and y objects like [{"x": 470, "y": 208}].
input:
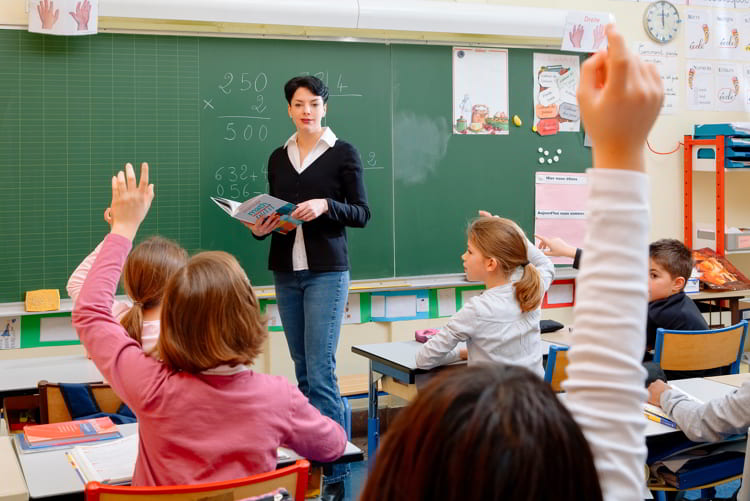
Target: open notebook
[{"x": 113, "y": 462}]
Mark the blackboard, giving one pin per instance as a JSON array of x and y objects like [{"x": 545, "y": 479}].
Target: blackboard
[{"x": 207, "y": 112}]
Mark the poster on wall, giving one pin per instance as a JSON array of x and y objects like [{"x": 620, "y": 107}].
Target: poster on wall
[
  {"x": 698, "y": 34},
  {"x": 699, "y": 93},
  {"x": 560, "y": 208},
  {"x": 555, "y": 83},
  {"x": 746, "y": 84},
  {"x": 728, "y": 4},
  {"x": 727, "y": 29},
  {"x": 64, "y": 17},
  {"x": 480, "y": 91},
  {"x": 728, "y": 86},
  {"x": 584, "y": 31},
  {"x": 664, "y": 57}
]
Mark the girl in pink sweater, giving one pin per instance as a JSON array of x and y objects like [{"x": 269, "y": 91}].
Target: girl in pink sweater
[
  {"x": 203, "y": 415},
  {"x": 145, "y": 275}
]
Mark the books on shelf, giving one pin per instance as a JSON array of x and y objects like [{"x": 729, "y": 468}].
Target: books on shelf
[
  {"x": 46, "y": 436},
  {"x": 259, "y": 207},
  {"x": 112, "y": 462}
]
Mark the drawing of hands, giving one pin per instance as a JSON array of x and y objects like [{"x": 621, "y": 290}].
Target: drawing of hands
[
  {"x": 81, "y": 15},
  {"x": 47, "y": 13},
  {"x": 576, "y": 35},
  {"x": 599, "y": 36}
]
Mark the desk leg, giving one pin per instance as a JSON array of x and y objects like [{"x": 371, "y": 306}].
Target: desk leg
[
  {"x": 373, "y": 422},
  {"x": 734, "y": 307}
]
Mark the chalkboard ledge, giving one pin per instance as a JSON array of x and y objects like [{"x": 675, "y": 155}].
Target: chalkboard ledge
[{"x": 356, "y": 286}]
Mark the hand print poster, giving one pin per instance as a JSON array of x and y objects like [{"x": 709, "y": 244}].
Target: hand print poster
[
  {"x": 480, "y": 91},
  {"x": 555, "y": 104},
  {"x": 584, "y": 31},
  {"x": 64, "y": 17}
]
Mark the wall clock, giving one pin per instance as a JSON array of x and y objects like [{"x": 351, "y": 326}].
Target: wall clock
[{"x": 661, "y": 21}]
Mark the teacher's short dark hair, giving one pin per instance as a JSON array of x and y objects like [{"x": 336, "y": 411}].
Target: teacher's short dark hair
[{"x": 311, "y": 83}]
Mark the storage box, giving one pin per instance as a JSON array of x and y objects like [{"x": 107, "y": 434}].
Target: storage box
[{"x": 739, "y": 240}]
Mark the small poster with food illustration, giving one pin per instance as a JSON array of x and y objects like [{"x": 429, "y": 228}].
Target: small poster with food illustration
[
  {"x": 480, "y": 91},
  {"x": 717, "y": 273},
  {"x": 699, "y": 34},
  {"x": 555, "y": 83},
  {"x": 700, "y": 86},
  {"x": 729, "y": 87}
]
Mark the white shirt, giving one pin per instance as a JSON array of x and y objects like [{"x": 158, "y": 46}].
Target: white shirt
[
  {"x": 493, "y": 326},
  {"x": 605, "y": 385},
  {"x": 326, "y": 141}
]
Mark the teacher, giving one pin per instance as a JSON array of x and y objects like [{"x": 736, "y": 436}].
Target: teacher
[{"x": 322, "y": 175}]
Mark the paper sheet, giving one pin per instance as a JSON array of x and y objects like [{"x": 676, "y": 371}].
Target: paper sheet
[
  {"x": 10, "y": 333},
  {"x": 446, "y": 302},
  {"x": 560, "y": 294},
  {"x": 664, "y": 57},
  {"x": 560, "y": 208},
  {"x": 352, "y": 312},
  {"x": 480, "y": 91},
  {"x": 53, "y": 329}
]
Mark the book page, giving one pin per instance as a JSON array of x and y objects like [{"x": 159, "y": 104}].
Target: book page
[{"x": 111, "y": 462}]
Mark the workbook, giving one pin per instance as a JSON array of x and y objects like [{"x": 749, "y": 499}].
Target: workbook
[
  {"x": 68, "y": 432},
  {"x": 108, "y": 463},
  {"x": 259, "y": 207}
]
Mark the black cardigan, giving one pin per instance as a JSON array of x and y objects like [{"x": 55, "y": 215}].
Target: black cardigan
[{"x": 336, "y": 176}]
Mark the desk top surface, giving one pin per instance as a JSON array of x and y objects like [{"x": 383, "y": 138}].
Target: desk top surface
[
  {"x": 50, "y": 474},
  {"x": 25, "y": 373}
]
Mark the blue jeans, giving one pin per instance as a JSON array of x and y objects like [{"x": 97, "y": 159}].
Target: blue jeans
[{"x": 311, "y": 306}]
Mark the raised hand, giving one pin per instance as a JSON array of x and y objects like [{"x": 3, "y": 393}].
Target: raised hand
[
  {"x": 130, "y": 201},
  {"x": 555, "y": 247},
  {"x": 47, "y": 13},
  {"x": 576, "y": 35},
  {"x": 619, "y": 96},
  {"x": 81, "y": 15},
  {"x": 599, "y": 36},
  {"x": 311, "y": 209}
]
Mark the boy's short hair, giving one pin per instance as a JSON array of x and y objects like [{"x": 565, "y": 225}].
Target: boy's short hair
[
  {"x": 673, "y": 256},
  {"x": 210, "y": 315}
]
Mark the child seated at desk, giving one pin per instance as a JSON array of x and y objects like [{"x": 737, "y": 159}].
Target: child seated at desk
[
  {"x": 497, "y": 432},
  {"x": 670, "y": 266},
  {"x": 501, "y": 324},
  {"x": 145, "y": 275},
  {"x": 203, "y": 415}
]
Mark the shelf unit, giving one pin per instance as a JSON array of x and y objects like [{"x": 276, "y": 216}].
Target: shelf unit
[{"x": 690, "y": 165}]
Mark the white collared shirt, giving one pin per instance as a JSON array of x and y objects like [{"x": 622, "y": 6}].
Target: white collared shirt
[{"x": 326, "y": 141}]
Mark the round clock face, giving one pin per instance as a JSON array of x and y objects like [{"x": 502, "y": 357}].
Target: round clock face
[{"x": 661, "y": 21}]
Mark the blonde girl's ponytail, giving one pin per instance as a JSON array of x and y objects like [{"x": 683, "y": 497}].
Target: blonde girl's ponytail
[
  {"x": 529, "y": 288},
  {"x": 503, "y": 240}
]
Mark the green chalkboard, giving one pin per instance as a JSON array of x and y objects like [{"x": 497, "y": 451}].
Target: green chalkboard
[{"x": 207, "y": 112}]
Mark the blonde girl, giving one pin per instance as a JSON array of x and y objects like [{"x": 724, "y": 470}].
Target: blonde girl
[
  {"x": 203, "y": 414},
  {"x": 502, "y": 324},
  {"x": 145, "y": 275}
]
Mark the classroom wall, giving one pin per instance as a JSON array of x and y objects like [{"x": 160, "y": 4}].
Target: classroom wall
[{"x": 665, "y": 171}]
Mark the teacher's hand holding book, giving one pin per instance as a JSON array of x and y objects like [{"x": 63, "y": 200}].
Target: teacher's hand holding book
[{"x": 264, "y": 226}]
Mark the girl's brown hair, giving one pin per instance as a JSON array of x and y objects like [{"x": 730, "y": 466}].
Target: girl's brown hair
[
  {"x": 487, "y": 431},
  {"x": 210, "y": 315},
  {"x": 145, "y": 276},
  {"x": 503, "y": 240}
]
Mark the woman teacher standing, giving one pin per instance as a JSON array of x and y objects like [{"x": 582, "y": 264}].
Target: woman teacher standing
[{"x": 322, "y": 175}]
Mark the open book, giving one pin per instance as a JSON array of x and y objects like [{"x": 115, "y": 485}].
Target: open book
[
  {"x": 108, "y": 463},
  {"x": 259, "y": 207}
]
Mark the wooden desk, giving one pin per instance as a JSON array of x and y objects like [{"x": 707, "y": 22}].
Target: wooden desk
[
  {"x": 735, "y": 380},
  {"x": 732, "y": 297},
  {"x": 396, "y": 364},
  {"x": 23, "y": 374},
  {"x": 50, "y": 474}
]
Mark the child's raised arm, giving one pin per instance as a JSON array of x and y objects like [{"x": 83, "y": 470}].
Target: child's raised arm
[{"x": 619, "y": 98}]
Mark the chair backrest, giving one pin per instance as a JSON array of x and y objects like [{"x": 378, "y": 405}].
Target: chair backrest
[
  {"x": 557, "y": 361},
  {"x": 293, "y": 478},
  {"x": 700, "y": 350},
  {"x": 53, "y": 409}
]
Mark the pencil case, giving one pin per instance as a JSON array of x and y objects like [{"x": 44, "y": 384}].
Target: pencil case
[{"x": 423, "y": 335}]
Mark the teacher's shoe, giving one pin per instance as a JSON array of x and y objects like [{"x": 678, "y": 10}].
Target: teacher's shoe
[{"x": 333, "y": 492}]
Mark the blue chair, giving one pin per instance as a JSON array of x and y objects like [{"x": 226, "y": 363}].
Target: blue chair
[
  {"x": 557, "y": 361},
  {"x": 700, "y": 350}
]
